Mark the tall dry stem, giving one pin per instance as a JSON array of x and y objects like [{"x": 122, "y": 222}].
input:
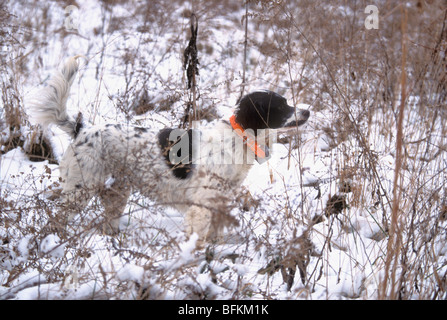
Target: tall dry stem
[{"x": 395, "y": 232}]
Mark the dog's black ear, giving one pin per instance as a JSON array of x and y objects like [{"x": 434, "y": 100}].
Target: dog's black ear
[
  {"x": 262, "y": 110},
  {"x": 250, "y": 113}
]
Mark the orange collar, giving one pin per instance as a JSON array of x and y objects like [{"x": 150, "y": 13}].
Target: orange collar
[{"x": 249, "y": 139}]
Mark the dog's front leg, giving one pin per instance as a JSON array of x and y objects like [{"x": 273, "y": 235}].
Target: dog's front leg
[{"x": 198, "y": 220}]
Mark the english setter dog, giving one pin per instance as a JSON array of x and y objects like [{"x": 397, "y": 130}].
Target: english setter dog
[{"x": 198, "y": 172}]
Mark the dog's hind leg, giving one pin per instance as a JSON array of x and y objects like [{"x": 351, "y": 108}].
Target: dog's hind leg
[
  {"x": 80, "y": 182},
  {"x": 114, "y": 200}
]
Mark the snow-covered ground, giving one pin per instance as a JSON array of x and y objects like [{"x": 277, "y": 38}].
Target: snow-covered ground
[{"x": 340, "y": 257}]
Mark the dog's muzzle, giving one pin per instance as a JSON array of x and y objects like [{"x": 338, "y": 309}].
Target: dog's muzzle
[{"x": 301, "y": 117}]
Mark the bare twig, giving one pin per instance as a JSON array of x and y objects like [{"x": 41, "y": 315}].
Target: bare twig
[
  {"x": 190, "y": 64},
  {"x": 395, "y": 232},
  {"x": 244, "y": 64}
]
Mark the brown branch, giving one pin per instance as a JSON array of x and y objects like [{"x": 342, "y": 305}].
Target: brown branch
[{"x": 395, "y": 231}]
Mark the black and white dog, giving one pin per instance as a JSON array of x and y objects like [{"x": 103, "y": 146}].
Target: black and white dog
[{"x": 198, "y": 172}]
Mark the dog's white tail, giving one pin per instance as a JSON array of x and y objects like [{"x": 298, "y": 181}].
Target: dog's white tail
[{"x": 50, "y": 107}]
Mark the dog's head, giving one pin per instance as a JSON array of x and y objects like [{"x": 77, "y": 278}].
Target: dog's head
[{"x": 268, "y": 110}]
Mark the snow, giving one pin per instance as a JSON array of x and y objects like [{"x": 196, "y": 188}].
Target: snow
[
  {"x": 52, "y": 246},
  {"x": 345, "y": 258},
  {"x": 130, "y": 272}
]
